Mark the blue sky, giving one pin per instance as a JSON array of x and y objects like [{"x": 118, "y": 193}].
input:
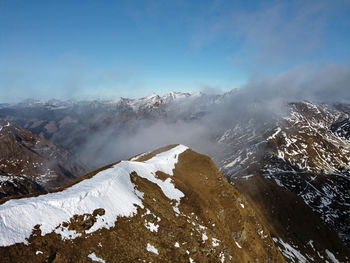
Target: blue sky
[{"x": 105, "y": 49}]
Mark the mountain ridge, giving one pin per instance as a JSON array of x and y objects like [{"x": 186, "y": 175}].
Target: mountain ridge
[
  {"x": 30, "y": 163},
  {"x": 166, "y": 198},
  {"x": 137, "y": 103},
  {"x": 301, "y": 153}
]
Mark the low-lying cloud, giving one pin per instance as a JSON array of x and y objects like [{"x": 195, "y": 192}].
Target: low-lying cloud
[{"x": 199, "y": 123}]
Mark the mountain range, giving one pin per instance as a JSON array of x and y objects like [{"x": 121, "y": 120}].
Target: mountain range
[
  {"x": 168, "y": 205},
  {"x": 289, "y": 165}
]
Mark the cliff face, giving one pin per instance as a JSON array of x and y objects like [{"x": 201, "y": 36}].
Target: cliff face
[{"x": 171, "y": 205}]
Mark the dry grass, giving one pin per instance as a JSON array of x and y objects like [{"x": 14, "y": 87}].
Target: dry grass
[{"x": 211, "y": 206}]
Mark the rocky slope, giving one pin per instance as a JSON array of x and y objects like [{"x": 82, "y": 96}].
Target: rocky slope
[
  {"x": 306, "y": 153},
  {"x": 303, "y": 154},
  {"x": 29, "y": 163},
  {"x": 171, "y": 205}
]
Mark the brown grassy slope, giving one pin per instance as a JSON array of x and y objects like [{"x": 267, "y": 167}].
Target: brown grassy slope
[
  {"x": 211, "y": 208},
  {"x": 288, "y": 217}
]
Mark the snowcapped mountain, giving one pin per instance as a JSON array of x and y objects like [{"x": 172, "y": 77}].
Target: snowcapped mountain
[
  {"x": 307, "y": 153},
  {"x": 293, "y": 167},
  {"x": 173, "y": 96},
  {"x": 29, "y": 163},
  {"x": 152, "y": 100},
  {"x": 168, "y": 205},
  {"x": 78, "y": 125}
]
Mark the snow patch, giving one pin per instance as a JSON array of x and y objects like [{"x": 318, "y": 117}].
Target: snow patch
[
  {"x": 247, "y": 176},
  {"x": 331, "y": 256},
  {"x": 215, "y": 242},
  {"x": 138, "y": 156},
  {"x": 289, "y": 252},
  {"x": 238, "y": 245},
  {"x": 166, "y": 161},
  {"x": 93, "y": 257},
  {"x": 151, "y": 227},
  {"x": 176, "y": 210},
  {"x": 204, "y": 237},
  {"x": 66, "y": 233},
  {"x": 110, "y": 189},
  {"x": 275, "y": 134},
  {"x": 222, "y": 257},
  {"x": 152, "y": 249}
]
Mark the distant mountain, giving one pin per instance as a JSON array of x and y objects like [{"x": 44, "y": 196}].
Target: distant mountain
[
  {"x": 4, "y": 105},
  {"x": 171, "y": 205},
  {"x": 292, "y": 166},
  {"x": 151, "y": 100},
  {"x": 74, "y": 125},
  {"x": 30, "y": 163}
]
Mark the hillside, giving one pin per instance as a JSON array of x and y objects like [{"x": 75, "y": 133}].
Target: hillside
[
  {"x": 30, "y": 163},
  {"x": 299, "y": 158},
  {"x": 169, "y": 205},
  {"x": 306, "y": 153}
]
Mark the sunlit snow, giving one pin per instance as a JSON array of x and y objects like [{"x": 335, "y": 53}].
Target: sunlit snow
[{"x": 110, "y": 189}]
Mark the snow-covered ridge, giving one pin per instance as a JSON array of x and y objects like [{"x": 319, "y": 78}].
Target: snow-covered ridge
[
  {"x": 135, "y": 104},
  {"x": 110, "y": 189},
  {"x": 152, "y": 100}
]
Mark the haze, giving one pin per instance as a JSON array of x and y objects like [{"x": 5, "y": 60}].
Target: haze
[{"x": 109, "y": 49}]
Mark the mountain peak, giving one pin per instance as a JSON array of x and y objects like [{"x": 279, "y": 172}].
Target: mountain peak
[{"x": 175, "y": 95}]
